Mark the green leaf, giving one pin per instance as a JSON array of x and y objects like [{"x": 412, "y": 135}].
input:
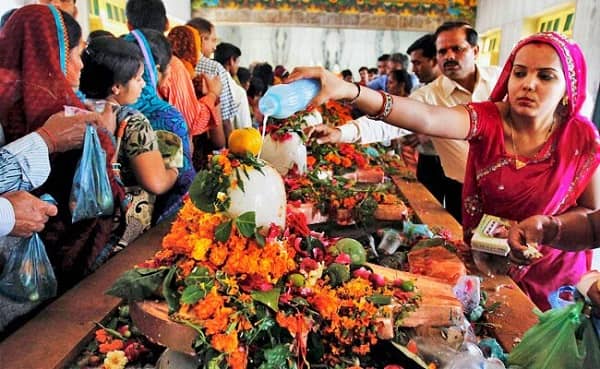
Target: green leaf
[
  {"x": 138, "y": 284},
  {"x": 260, "y": 239},
  {"x": 204, "y": 190},
  {"x": 215, "y": 362},
  {"x": 223, "y": 231},
  {"x": 240, "y": 182},
  {"x": 198, "y": 275},
  {"x": 269, "y": 298},
  {"x": 380, "y": 300},
  {"x": 170, "y": 293},
  {"x": 276, "y": 357},
  {"x": 246, "y": 223},
  {"x": 192, "y": 294}
]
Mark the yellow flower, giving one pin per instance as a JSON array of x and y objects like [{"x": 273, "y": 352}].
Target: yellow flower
[
  {"x": 115, "y": 360},
  {"x": 221, "y": 196},
  {"x": 201, "y": 246}
]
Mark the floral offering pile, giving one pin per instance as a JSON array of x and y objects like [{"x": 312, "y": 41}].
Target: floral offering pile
[
  {"x": 116, "y": 345},
  {"x": 275, "y": 299}
]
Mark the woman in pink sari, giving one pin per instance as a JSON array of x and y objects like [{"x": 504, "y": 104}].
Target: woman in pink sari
[
  {"x": 503, "y": 181},
  {"x": 530, "y": 150}
]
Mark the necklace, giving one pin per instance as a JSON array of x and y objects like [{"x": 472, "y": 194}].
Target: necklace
[{"x": 519, "y": 163}]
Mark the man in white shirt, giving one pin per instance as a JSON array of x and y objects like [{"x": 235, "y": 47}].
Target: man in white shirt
[
  {"x": 229, "y": 57},
  {"x": 461, "y": 82}
]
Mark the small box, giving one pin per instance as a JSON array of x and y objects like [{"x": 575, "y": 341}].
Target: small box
[{"x": 486, "y": 237}]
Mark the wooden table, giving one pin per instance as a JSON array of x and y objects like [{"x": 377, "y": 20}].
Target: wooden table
[
  {"x": 515, "y": 314},
  {"x": 54, "y": 337}
]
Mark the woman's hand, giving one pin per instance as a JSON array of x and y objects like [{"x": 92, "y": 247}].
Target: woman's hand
[
  {"x": 332, "y": 87},
  {"x": 529, "y": 231},
  {"x": 324, "y": 134}
]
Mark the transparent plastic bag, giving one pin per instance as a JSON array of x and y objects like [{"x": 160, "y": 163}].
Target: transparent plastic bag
[
  {"x": 552, "y": 343},
  {"x": 28, "y": 274},
  {"x": 91, "y": 195}
]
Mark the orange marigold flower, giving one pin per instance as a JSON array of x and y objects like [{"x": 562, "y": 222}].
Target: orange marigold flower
[
  {"x": 218, "y": 254},
  {"x": 226, "y": 343},
  {"x": 238, "y": 359},
  {"x": 310, "y": 160},
  {"x": 207, "y": 307},
  {"x": 218, "y": 322},
  {"x": 325, "y": 302}
]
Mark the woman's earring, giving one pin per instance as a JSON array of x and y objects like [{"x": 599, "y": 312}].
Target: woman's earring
[{"x": 565, "y": 100}]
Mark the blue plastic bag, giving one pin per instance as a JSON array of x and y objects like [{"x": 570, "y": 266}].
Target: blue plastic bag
[
  {"x": 91, "y": 195},
  {"x": 28, "y": 274}
]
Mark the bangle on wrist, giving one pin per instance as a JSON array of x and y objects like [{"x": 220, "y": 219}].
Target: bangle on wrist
[
  {"x": 386, "y": 107},
  {"x": 556, "y": 221},
  {"x": 353, "y": 100}
]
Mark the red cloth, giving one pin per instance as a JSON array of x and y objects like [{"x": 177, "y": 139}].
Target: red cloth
[
  {"x": 550, "y": 183},
  {"x": 33, "y": 87}
]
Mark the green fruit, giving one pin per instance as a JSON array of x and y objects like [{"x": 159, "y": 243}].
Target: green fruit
[
  {"x": 297, "y": 280},
  {"x": 354, "y": 249},
  {"x": 338, "y": 274},
  {"x": 407, "y": 286}
]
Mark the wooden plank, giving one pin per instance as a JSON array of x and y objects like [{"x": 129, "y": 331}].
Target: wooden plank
[
  {"x": 515, "y": 314},
  {"x": 54, "y": 337}
]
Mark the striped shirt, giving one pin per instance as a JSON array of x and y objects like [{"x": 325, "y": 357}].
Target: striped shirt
[
  {"x": 211, "y": 67},
  {"x": 24, "y": 165}
]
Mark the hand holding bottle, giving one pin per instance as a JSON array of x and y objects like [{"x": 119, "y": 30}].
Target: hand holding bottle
[{"x": 331, "y": 86}]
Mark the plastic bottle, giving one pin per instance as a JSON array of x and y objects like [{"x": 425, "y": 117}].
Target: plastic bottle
[{"x": 281, "y": 101}]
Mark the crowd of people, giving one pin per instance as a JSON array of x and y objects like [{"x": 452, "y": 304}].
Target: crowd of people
[{"x": 508, "y": 142}]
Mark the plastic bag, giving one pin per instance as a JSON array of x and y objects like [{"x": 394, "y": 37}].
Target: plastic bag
[
  {"x": 91, "y": 195},
  {"x": 28, "y": 274},
  {"x": 591, "y": 342},
  {"x": 552, "y": 342},
  {"x": 470, "y": 357}
]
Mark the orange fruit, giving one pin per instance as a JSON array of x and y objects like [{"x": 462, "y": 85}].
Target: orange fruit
[{"x": 243, "y": 140}]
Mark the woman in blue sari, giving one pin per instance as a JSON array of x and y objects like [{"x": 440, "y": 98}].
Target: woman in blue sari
[{"x": 162, "y": 116}]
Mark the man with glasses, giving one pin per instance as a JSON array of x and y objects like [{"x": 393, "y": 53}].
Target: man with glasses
[{"x": 462, "y": 81}]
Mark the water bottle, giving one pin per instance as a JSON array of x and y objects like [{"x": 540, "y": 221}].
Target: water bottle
[{"x": 281, "y": 101}]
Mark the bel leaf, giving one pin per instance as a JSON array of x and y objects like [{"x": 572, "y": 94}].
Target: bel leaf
[
  {"x": 138, "y": 284},
  {"x": 191, "y": 294},
  {"x": 169, "y": 292},
  {"x": 223, "y": 231},
  {"x": 246, "y": 223},
  {"x": 205, "y": 188},
  {"x": 269, "y": 298}
]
